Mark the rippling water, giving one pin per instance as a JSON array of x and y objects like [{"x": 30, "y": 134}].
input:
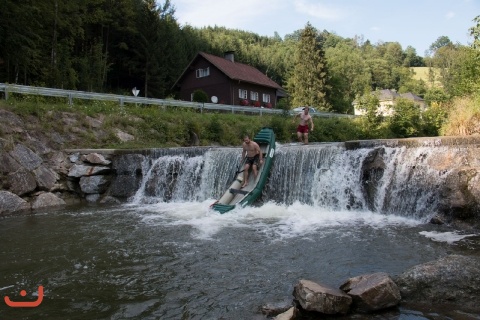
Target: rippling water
[{"x": 182, "y": 261}]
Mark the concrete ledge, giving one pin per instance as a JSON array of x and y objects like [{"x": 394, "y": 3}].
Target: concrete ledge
[{"x": 415, "y": 142}]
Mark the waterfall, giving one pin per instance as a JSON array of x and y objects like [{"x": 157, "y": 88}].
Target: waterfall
[{"x": 387, "y": 180}]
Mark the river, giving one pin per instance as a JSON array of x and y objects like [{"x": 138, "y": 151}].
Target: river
[{"x": 157, "y": 258}]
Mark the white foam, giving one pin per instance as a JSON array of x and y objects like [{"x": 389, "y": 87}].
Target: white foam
[
  {"x": 277, "y": 220},
  {"x": 449, "y": 237}
]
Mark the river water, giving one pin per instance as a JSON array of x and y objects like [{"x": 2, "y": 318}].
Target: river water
[{"x": 177, "y": 259}]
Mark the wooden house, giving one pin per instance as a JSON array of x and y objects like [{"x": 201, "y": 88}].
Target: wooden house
[{"x": 228, "y": 82}]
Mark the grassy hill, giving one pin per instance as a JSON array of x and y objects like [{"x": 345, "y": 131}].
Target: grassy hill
[{"x": 422, "y": 73}]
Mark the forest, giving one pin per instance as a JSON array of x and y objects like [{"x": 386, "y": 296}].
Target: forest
[{"x": 115, "y": 45}]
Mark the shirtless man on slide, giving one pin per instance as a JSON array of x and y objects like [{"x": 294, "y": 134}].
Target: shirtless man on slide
[{"x": 254, "y": 158}]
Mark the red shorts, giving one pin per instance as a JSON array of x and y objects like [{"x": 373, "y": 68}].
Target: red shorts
[{"x": 302, "y": 129}]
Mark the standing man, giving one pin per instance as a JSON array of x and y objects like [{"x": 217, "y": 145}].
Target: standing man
[
  {"x": 302, "y": 129},
  {"x": 254, "y": 157}
]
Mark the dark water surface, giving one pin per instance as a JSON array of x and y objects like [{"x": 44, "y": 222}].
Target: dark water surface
[{"x": 182, "y": 261}]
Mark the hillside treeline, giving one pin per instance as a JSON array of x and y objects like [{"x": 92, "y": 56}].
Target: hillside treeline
[{"x": 115, "y": 45}]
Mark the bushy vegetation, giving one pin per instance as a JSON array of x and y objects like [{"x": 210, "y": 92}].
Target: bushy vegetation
[
  {"x": 155, "y": 127},
  {"x": 463, "y": 117},
  {"x": 160, "y": 126}
]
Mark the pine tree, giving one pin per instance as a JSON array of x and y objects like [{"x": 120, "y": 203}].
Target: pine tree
[{"x": 307, "y": 83}]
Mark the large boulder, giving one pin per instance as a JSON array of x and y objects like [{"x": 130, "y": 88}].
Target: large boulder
[
  {"x": 128, "y": 164},
  {"x": 321, "y": 298},
  {"x": 45, "y": 200},
  {"x": 124, "y": 186},
  {"x": 454, "y": 280},
  {"x": 21, "y": 182},
  {"x": 45, "y": 177},
  {"x": 10, "y": 203},
  {"x": 372, "y": 292},
  {"x": 94, "y": 184},
  {"x": 60, "y": 163},
  {"x": 8, "y": 163},
  {"x": 95, "y": 158},
  {"x": 26, "y": 157},
  {"x": 460, "y": 195}
]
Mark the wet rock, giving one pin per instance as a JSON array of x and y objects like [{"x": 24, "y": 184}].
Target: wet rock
[
  {"x": 321, "y": 298},
  {"x": 452, "y": 280},
  {"x": 373, "y": 168},
  {"x": 26, "y": 157},
  {"x": 110, "y": 200},
  {"x": 273, "y": 309},
  {"x": 372, "y": 292},
  {"x": 128, "y": 164},
  {"x": 460, "y": 195},
  {"x": 93, "y": 197},
  {"x": 124, "y": 186},
  {"x": 287, "y": 315},
  {"x": 10, "y": 203},
  {"x": 94, "y": 184},
  {"x": 45, "y": 200}
]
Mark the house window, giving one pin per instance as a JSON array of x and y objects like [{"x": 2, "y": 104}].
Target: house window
[
  {"x": 242, "y": 94},
  {"x": 254, "y": 96},
  {"x": 203, "y": 72},
  {"x": 266, "y": 98}
]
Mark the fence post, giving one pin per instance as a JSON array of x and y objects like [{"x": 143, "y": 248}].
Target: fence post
[
  {"x": 121, "y": 102},
  {"x": 70, "y": 100},
  {"x": 6, "y": 93}
]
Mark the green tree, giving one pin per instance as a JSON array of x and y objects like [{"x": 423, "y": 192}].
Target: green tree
[
  {"x": 436, "y": 97},
  {"x": 20, "y": 42},
  {"x": 442, "y": 41},
  {"x": 307, "y": 83},
  {"x": 412, "y": 59},
  {"x": 406, "y": 119},
  {"x": 475, "y": 33},
  {"x": 349, "y": 75},
  {"x": 372, "y": 118}
]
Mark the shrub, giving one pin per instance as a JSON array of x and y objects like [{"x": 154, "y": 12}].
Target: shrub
[
  {"x": 200, "y": 96},
  {"x": 406, "y": 120},
  {"x": 463, "y": 118}
]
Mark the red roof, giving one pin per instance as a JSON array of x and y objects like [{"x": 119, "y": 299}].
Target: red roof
[{"x": 240, "y": 71}]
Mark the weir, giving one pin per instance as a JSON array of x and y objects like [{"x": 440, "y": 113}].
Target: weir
[{"x": 391, "y": 180}]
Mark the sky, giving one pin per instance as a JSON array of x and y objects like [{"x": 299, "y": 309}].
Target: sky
[{"x": 416, "y": 23}]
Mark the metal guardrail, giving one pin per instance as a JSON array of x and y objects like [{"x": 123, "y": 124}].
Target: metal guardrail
[{"x": 121, "y": 99}]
